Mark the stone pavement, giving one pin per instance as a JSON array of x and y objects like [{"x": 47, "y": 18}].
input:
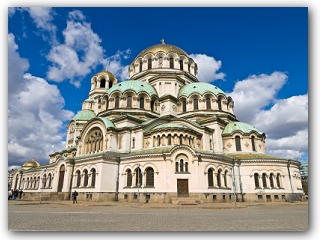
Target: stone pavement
[{"x": 118, "y": 216}]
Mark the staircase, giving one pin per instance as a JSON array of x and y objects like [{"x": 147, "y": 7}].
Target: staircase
[{"x": 186, "y": 201}]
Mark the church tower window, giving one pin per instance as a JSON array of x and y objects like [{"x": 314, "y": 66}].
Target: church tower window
[
  {"x": 208, "y": 103},
  {"x": 116, "y": 105},
  {"x": 102, "y": 83},
  {"x": 171, "y": 62},
  {"x": 238, "y": 143},
  {"x": 140, "y": 66},
  {"x": 195, "y": 104},
  {"x": 141, "y": 102},
  {"x": 181, "y": 64},
  {"x": 184, "y": 106},
  {"x": 149, "y": 63},
  {"x": 253, "y": 144},
  {"x": 129, "y": 101}
]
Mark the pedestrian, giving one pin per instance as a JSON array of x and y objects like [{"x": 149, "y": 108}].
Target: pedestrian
[
  {"x": 10, "y": 195},
  {"x": 74, "y": 196},
  {"x": 15, "y": 194},
  {"x": 20, "y": 193}
]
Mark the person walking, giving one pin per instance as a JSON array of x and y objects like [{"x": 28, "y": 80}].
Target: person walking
[
  {"x": 74, "y": 196},
  {"x": 10, "y": 195},
  {"x": 20, "y": 193},
  {"x": 15, "y": 194}
]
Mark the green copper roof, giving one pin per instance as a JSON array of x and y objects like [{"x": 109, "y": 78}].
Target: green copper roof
[
  {"x": 199, "y": 87},
  {"x": 239, "y": 126},
  {"x": 136, "y": 86},
  {"x": 88, "y": 100},
  {"x": 84, "y": 115},
  {"x": 106, "y": 122}
]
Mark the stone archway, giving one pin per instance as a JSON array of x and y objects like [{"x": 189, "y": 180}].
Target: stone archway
[{"x": 61, "y": 178}]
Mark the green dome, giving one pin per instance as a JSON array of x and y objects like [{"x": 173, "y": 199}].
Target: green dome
[
  {"x": 239, "y": 126},
  {"x": 84, "y": 115},
  {"x": 199, "y": 87},
  {"x": 136, "y": 86}
]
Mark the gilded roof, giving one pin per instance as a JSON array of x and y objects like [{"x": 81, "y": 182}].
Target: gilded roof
[
  {"x": 239, "y": 126},
  {"x": 84, "y": 115},
  {"x": 31, "y": 163},
  {"x": 199, "y": 87},
  {"x": 107, "y": 73},
  {"x": 134, "y": 85},
  {"x": 166, "y": 48}
]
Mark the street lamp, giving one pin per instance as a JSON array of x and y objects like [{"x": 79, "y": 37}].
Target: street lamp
[
  {"x": 43, "y": 182},
  {"x": 138, "y": 172},
  {"x": 233, "y": 187}
]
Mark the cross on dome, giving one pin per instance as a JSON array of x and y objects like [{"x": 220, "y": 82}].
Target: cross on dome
[{"x": 162, "y": 41}]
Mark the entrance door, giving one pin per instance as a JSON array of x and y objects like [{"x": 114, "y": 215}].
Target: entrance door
[
  {"x": 182, "y": 186},
  {"x": 61, "y": 178}
]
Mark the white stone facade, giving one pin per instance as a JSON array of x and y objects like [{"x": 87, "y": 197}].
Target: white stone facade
[{"x": 181, "y": 134}]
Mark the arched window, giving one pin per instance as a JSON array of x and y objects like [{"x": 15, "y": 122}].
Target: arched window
[
  {"x": 219, "y": 104},
  {"x": 181, "y": 165},
  {"x": 189, "y": 67},
  {"x": 225, "y": 178},
  {"x": 44, "y": 180},
  {"x": 159, "y": 142},
  {"x": 152, "y": 105},
  {"x": 195, "y": 104},
  {"x": 271, "y": 180},
  {"x": 264, "y": 180},
  {"x": 169, "y": 139},
  {"x": 149, "y": 63},
  {"x": 184, "y": 106},
  {"x": 129, "y": 178},
  {"x": 86, "y": 178},
  {"x": 278, "y": 180},
  {"x": 138, "y": 177},
  {"x": 186, "y": 167},
  {"x": 93, "y": 177},
  {"x": 210, "y": 177},
  {"x": 180, "y": 139},
  {"x": 129, "y": 101},
  {"x": 107, "y": 103},
  {"x": 177, "y": 167},
  {"x": 256, "y": 180},
  {"x": 110, "y": 84},
  {"x": 116, "y": 105},
  {"x": 49, "y": 179},
  {"x": 78, "y": 178},
  {"x": 219, "y": 178},
  {"x": 238, "y": 143},
  {"x": 149, "y": 177},
  {"x": 140, "y": 67},
  {"x": 208, "y": 103},
  {"x": 102, "y": 83},
  {"x": 181, "y": 64},
  {"x": 141, "y": 102},
  {"x": 133, "y": 142},
  {"x": 253, "y": 144},
  {"x": 171, "y": 62}
]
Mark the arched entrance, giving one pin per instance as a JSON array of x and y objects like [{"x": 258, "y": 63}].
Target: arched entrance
[{"x": 61, "y": 178}]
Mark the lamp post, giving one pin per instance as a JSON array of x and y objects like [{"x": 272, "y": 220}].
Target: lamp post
[
  {"x": 233, "y": 187},
  {"x": 43, "y": 182},
  {"x": 138, "y": 183}
]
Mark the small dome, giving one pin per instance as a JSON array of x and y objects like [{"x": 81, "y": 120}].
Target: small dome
[
  {"x": 84, "y": 115},
  {"x": 199, "y": 87},
  {"x": 239, "y": 126},
  {"x": 136, "y": 86},
  {"x": 31, "y": 164},
  {"x": 106, "y": 73},
  {"x": 166, "y": 48}
]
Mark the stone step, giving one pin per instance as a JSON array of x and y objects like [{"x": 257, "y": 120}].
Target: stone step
[{"x": 186, "y": 201}]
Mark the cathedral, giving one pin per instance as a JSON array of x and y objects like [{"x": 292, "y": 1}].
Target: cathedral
[{"x": 160, "y": 137}]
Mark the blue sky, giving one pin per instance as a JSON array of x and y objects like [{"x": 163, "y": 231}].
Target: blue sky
[{"x": 259, "y": 56}]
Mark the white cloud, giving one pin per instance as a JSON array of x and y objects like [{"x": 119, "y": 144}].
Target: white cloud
[
  {"x": 256, "y": 92},
  {"x": 35, "y": 113},
  {"x": 285, "y": 121},
  {"x": 115, "y": 66},
  {"x": 207, "y": 68},
  {"x": 78, "y": 55}
]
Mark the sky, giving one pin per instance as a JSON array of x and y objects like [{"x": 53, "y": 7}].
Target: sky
[{"x": 258, "y": 56}]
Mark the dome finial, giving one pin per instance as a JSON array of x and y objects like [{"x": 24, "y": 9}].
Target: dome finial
[
  {"x": 162, "y": 41},
  {"x": 107, "y": 68}
]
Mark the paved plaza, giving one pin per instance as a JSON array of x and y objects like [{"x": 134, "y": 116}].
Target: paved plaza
[{"x": 93, "y": 216}]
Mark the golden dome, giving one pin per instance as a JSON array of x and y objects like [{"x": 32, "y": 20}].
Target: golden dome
[
  {"x": 106, "y": 73},
  {"x": 31, "y": 164},
  {"x": 166, "y": 48}
]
